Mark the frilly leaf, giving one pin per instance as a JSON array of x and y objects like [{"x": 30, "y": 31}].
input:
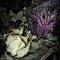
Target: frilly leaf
[
  {"x": 24, "y": 39},
  {"x": 14, "y": 43},
  {"x": 17, "y": 31},
  {"x": 22, "y": 52}
]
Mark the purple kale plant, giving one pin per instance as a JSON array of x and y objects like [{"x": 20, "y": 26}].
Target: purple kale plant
[{"x": 40, "y": 23}]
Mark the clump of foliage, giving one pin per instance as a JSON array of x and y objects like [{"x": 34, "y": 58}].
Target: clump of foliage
[{"x": 28, "y": 33}]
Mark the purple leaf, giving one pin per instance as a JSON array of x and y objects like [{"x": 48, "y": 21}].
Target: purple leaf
[{"x": 40, "y": 23}]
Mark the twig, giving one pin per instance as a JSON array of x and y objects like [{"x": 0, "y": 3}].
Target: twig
[{"x": 47, "y": 54}]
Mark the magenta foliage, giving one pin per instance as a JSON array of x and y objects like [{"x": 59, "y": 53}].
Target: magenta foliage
[{"x": 40, "y": 23}]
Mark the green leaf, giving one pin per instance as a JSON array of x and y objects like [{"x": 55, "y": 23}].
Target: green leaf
[
  {"x": 24, "y": 39},
  {"x": 22, "y": 52}
]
